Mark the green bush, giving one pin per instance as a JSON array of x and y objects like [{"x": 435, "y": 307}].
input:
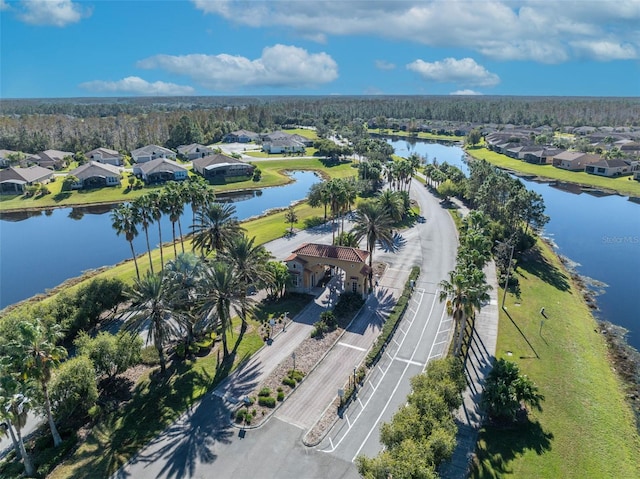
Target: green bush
[
  {"x": 264, "y": 392},
  {"x": 280, "y": 396},
  {"x": 267, "y": 401},
  {"x": 296, "y": 375},
  {"x": 287, "y": 381},
  {"x": 149, "y": 356},
  {"x": 73, "y": 389},
  {"x": 348, "y": 303}
]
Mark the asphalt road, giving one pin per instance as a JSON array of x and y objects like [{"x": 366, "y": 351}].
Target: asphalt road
[{"x": 203, "y": 444}]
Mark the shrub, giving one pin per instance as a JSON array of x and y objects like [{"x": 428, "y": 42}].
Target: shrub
[
  {"x": 267, "y": 401},
  {"x": 264, "y": 392},
  {"x": 287, "y": 381},
  {"x": 149, "y": 356},
  {"x": 296, "y": 375},
  {"x": 111, "y": 354},
  {"x": 347, "y": 304},
  {"x": 280, "y": 395},
  {"x": 73, "y": 389}
]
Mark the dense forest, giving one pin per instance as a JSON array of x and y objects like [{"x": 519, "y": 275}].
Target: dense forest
[{"x": 81, "y": 124}]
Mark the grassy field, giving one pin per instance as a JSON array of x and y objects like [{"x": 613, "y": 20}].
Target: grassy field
[
  {"x": 624, "y": 185},
  {"x": 586, "y": 429},
  {"x": 419, "y": 136},
  {"x": 310, "y": 151}
]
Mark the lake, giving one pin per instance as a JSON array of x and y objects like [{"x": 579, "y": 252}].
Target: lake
[
  {"x": 599, "y": 234},
  {"x": 40, "y": 250}
]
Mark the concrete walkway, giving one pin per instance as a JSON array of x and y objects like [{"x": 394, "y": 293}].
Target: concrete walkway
[{"x": 478, "y": 363}]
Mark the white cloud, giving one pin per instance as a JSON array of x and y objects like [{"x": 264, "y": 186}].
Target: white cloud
[
  {"x": 465, "y": 92},
  {"x": 500, "y": 29},
  {"x": 464, "y": 71},
  {"x": 279, "y": 66},
  {"x": 384, "y": 65},
  {"x": 138, "y": 86},
  {"x": 604, "y": 50},
  {"x": 58, "y": 13}
]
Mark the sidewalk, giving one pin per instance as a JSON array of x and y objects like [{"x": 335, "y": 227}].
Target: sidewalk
[{"x": 478, "y": 363}]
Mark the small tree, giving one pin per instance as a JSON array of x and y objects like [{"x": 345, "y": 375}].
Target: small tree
[
  {"x": 73, "y": 388},
  {"x": 508, "y": 392},
  {"x": 291, "y": 217},
  {"x": 111, "y": 354},
  {"x": 447, "y": 189},
  {"x": 473, "y": 137},
  {"x": 68, "y": 182}
]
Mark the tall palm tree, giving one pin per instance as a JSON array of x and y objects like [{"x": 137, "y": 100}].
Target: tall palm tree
[
  {"x": 173, "y": 205},
  {"x": 144, "y": 214},
  {"x": 337, "y": 195},
  {"x": 220, "y": 292},
  {"x": 124, "y": 220},
  {"x": 374, "y": 224},
  {"x": 36, "y": 355},
  {"x": 392, "y": 204},
  {"x": 15, "y": 403},
  {"x": 216, "y": 226},
  {"x": 183, "y": 273},
  {"x": 155, "y": 200},
  {"x": 465, "y": 292},
  {"x": 250, "y": 263},
  {"x": 152, "y": 309}
]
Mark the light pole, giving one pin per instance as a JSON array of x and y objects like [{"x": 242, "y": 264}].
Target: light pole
[
  {"x": 293, "y": 356},
  {"x": 284, "y": 321},
  {"x": 506, "y": 283}
]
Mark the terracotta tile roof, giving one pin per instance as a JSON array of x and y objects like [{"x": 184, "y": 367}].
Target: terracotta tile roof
[{"x": 336, "y": 252}]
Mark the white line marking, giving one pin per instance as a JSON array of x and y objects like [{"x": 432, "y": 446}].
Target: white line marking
[
  {"x": 358, "y": 348},
  {"x": 439, "y": 343},
  {"x": 408, "y": 361}
]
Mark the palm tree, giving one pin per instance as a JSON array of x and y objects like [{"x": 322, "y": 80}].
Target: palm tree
[
  {"x": 35, "y": 355},
  {"x": 318, "y": 195},
  {"x": 374, "y": 224},
  {"x": 144, "y": 214},
  {"x": 153, "y": 310},
  {"x": 15, "y": 403},
  {"x": 216, "y": 227},
  {"x": 220, "y": 292},
  {"x": 183, "y": 274},
  {"x": 392, "y": 204},
  {"x": 154, "y": 203},
  {"x": 125, "y": 221},
  {"x": 465, "y": 292},
  {"x": 173, "y": 205},
  {"x": 250, "y": 264}
]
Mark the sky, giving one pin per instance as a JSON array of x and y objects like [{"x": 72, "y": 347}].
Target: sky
[{"x": 110, "y": 48}]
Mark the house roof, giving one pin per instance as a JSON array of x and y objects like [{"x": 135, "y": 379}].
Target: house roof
[
  {"x": 345, "y": 253},
  {"x": 50, "y": 155},
  {"x": 149, "y": 150},
  {"x": 159, "y": 165},
  {"x": 104, "y": 152},
  {"x": 248, "y": 133},
  {"x": 569, "y": 155},
  {"x": 215, "y": 160},
  {"x": 612, "y": 163},
  {"x": 27, "y": 175},
  {"x": 286, "y": 142},
  {"x": 194, "y": 148},
  {"x": 93, "y": 168}
]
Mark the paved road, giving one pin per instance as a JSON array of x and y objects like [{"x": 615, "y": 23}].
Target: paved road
[{"x": 202, "y": 444}]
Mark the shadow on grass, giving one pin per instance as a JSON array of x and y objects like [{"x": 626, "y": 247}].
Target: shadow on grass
[
  {"x": 535, "y": 263},
  {"x": 63, "y": 195},
  {"x": 521, "y": 334},
  {"x": 499, "y": 447}
]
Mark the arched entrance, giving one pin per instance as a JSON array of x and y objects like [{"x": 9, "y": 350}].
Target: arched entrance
[{"x": 308, "y": 266}]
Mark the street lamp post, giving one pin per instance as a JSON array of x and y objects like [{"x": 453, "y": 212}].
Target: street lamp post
[{"x": 284, "y": 321}]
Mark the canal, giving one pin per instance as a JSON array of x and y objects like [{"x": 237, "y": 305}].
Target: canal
[{"x": 40, "y": 250}]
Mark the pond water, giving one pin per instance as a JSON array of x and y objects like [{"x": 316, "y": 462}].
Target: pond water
[
  {"x": 41, "y": 250},
  {"x": 600, "y": 234}
]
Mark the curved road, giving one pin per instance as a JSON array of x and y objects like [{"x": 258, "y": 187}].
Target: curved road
[{"x": 202, "y": 444}]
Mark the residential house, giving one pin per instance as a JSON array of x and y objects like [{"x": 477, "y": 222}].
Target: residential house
[
  {"x": 636, "y": 175},
  {"x": 193, "y": 151},
  {"x": 514, "y": 151},
  {"x": 160, "y": 170},
  {"x": 543, "y": 156},
  {"x": 15, "y": 180},
  {"x": 96, "y": 175},
  {"x": 574, "y": 160},
  {"x": 630, "y": 148},
  {"x": 151, "y": 152},
  {"x": 241, "y": 136},
  {"x": 610, "y": 168},
  {"x": 54, "y": 159},
  {"x": 216, "y": 167},
  {"x": 284, "y": 145},
  {"x": 105, "y": 155}
]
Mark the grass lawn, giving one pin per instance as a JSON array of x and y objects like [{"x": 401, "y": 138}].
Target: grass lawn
[
  {"x": 586, "y": 429},
  {"x": 310, "y": 151},
  {"x": 156, "y": 403},
  {"x": 419, "y": 136},
  {"x": 624, "y": 185},
  {"x": 311, "y": 134}
]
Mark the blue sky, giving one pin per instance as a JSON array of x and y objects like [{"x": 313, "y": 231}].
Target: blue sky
[{"x": 64, "y": 48}]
